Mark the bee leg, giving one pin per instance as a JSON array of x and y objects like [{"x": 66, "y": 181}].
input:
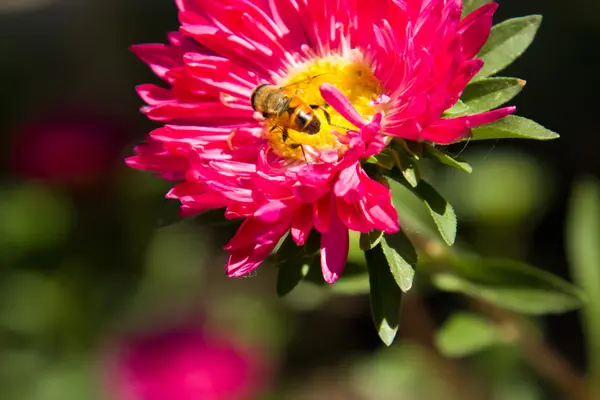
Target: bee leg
[
  {"x": 303, "y": 154},
  {"x": 295, "y": 146},
  {"x": 284, "y": 135},
  {"x": 318, "y": 107},
  {"x": 327, "y": 116}
]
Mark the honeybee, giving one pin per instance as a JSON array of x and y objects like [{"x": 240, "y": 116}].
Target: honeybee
[{"x": 285, "y": 110}]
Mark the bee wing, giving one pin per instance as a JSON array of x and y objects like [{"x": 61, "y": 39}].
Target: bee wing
[
  {"x": 276, "y": 129},
  {"x": 274, "y": 124},
  {"x": 272, "y": 120}
]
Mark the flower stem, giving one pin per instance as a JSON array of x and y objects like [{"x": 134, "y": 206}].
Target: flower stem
[
  {"x": 540, "y": 355},
  {"x": 419, "y": 327}
]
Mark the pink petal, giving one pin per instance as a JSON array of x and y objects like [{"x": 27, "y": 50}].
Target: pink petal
[
  {"x": 253, "y": 242},
  {"x": 341, "y": 104},
  {"x": 160, "y": 57},
  {"x": 270, "y": 212},
  {"x": 158, "y": 163},
  {"x": 302, "y": 224},
  {"x": 354, "y": 216},
  {"x": 386, "y": 217},
  {"x": 464, "y": 75},
  {"x": 446, "y": 131},
  {"x": 250, "y": 233},
  {"x": 409, "y": 129},
  {"x": 286, "y": 16},
  {"x": 241, "y": 50},
  {"x": 489, "y": 116},
  {"x": 308, "y": 194},
  {"x": 201, "y": 112},
  {"x": 347, "y": 184},
  {"x": 475, "y": 29},
  {"x": 322, "y": 213},
  {"x": 153, "y": 94},
  {"x": 187, "y": 5},
  {"x": 334, "y": 249},
  {"x": 240, "y": 263}
]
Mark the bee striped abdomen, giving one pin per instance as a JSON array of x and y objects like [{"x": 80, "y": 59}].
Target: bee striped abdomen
[
  {"x": 303, "y": 117},
  {"x": 306, "y": 121}
]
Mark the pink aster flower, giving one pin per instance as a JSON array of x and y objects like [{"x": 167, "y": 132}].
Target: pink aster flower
[
  {"x": 185, "y": 364},
  {"x": 371, "y": 70}
]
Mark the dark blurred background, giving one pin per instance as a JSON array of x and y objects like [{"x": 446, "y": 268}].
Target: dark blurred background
[{"x": 83, "y": 268}]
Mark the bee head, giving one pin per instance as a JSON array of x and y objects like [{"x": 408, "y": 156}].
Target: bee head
[{"x": 254, "y": 93}]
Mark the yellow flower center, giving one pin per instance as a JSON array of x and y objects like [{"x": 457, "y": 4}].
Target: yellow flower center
[{"x": 352, "y": 76}]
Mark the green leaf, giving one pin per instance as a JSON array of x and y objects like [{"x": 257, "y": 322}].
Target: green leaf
[
  {"x": 583, "y": 250},
  {"x": 411, "y": 176},
  {"x": 507, "y": 41},
  {"x": 287, "y": 251},
  {"x": 457, "y": 110},
  {"x": 291, "y": 273},
  {"x": 440, "y": 210},
  {"x": 313, "y": 242},
  {"x": 412, "y": 211},
  {"x": 490, "y": 93},
  {"x": 408, "y": 167},
  {"x": 315, "y": 274},
  {"x": 455, "y": 162},
  {"x": 471, "y": 5},
  {"x": 510, "y": 284},
  {"x": 385, "y": 159},
  {"x": 370, "y": 240},
  {"x": 464, "y": 334},
  {"x": 292, "y": 262},
  {"x": 412, "y": 148},
  {"x": 513, "y": 127},
  {"x": 401, "y": 257},
  {"x": 385, "y": 295}
]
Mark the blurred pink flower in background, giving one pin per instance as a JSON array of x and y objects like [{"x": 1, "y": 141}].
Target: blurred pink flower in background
[
  {"x": 186, "y": 364},
  {"x": 69, "y": 147}
]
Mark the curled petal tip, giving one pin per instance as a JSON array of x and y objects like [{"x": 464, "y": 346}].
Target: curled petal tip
[{"x": 341, "y": 104}]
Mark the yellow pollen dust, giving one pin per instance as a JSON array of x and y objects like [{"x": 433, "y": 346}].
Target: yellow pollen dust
[{"x": 352, "y": 77}]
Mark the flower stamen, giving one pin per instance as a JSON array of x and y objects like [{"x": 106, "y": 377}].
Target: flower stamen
[{"x": 352, "y": 76}]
